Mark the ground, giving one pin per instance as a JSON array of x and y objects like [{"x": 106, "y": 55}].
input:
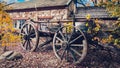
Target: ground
[{"x": 45, "y": 58}]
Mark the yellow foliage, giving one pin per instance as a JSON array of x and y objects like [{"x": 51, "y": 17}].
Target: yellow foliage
[
  {"x": 88, "y": 16},
  {"x": 97, "y": 28},
  {"x": 69, "y": 27},
  {"x": 6, "y": 29},
  {"x": 87, "y": 24}
]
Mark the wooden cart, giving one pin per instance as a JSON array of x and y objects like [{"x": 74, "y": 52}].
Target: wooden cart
[{"x": 69, "y": 42}]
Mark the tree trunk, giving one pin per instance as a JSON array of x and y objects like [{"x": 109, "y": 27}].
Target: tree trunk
[{"x": 5, "y": 48}]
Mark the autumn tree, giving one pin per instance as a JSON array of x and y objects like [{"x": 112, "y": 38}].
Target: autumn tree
[
  {"x": 7, "y": 36},
  {"x": 113, "y": 7}
]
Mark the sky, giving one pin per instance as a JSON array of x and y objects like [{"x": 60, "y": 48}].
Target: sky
[
  {"x": 11, "y": 1},
  {"x": 21, "y": 0}
]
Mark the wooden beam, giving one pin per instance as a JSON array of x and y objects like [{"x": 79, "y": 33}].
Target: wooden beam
[{"x": 51, "y": 21}]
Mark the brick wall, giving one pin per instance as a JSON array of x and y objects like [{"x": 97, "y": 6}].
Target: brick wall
[{"x": 58, "y": 14}]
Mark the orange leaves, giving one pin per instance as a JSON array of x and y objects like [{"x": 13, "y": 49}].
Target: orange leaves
[
  {"x": 4, "y": 17},
  {"x": 107, "y": 40},
  {"x": 114, "y": 0},
  {"x": 7, "y": 36}
]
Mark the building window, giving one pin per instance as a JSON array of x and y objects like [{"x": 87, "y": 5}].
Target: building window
[
  {"x": 18, "y": 23},
  {"x": 21, "y": 23},
  {"x": 15, "y": 24}
]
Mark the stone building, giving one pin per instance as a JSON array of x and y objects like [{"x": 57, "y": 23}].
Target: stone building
[
  {"x": 99, "y": 13},
  {"x": 41, "y": 10},
  {"x": 100, "y": 1}
]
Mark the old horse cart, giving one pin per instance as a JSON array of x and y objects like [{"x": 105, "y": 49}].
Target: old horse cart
[{"x": 68, "y": 41}]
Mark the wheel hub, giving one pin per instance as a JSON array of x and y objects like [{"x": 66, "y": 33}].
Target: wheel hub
[
  {"x": 26, "y": 37},
  {"x": 65, "y": 45}
]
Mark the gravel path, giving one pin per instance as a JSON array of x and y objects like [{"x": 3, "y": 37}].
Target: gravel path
[{"x": 47, "y": 59}]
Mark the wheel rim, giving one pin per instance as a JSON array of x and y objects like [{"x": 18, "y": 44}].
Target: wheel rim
[
  {"x": 29, "y": 36},
  {"x": 71, "y": 46}
]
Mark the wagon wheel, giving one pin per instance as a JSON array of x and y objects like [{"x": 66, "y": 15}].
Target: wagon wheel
[
  {"x": 30, "y": 38},
  {"x": 70, "y": 45}
]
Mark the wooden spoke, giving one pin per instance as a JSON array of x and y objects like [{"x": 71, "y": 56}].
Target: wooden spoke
[
  {"x": 77, "y": 45},
  {"x": 26, "y": 45},
  {"x": 75, "y": 51},
  {"x": 67, "y": 55},
  {"x": 32, "y": 35},
  {"x": 62, "y": 35},
  {"x": 58, "y": 50},
  {"x": 32, "y": 44},
  {"x": 71, "y": 36},
  {"x": 58, "y": 44},
  {"x": 23, "y": 31},
  {"x": 27, "y": 29},
  {"x": 59, "y": 39},
  {"x": 75, "y": 39},
  {"x": 63, "y": 54},
  {"x": 29, "y": 45},
  {"x": 73, "y": 55},
  {"x": 24, "y": 42}
]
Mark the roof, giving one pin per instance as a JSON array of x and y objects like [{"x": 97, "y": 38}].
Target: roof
[
  {"x": 40, "y": 3},
  {"x": 95, "y": 12}
]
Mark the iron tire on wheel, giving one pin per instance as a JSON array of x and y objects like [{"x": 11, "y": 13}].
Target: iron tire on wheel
[
  {"x": 70, "y": 46},
  {"x": 29, "y": 36}
]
